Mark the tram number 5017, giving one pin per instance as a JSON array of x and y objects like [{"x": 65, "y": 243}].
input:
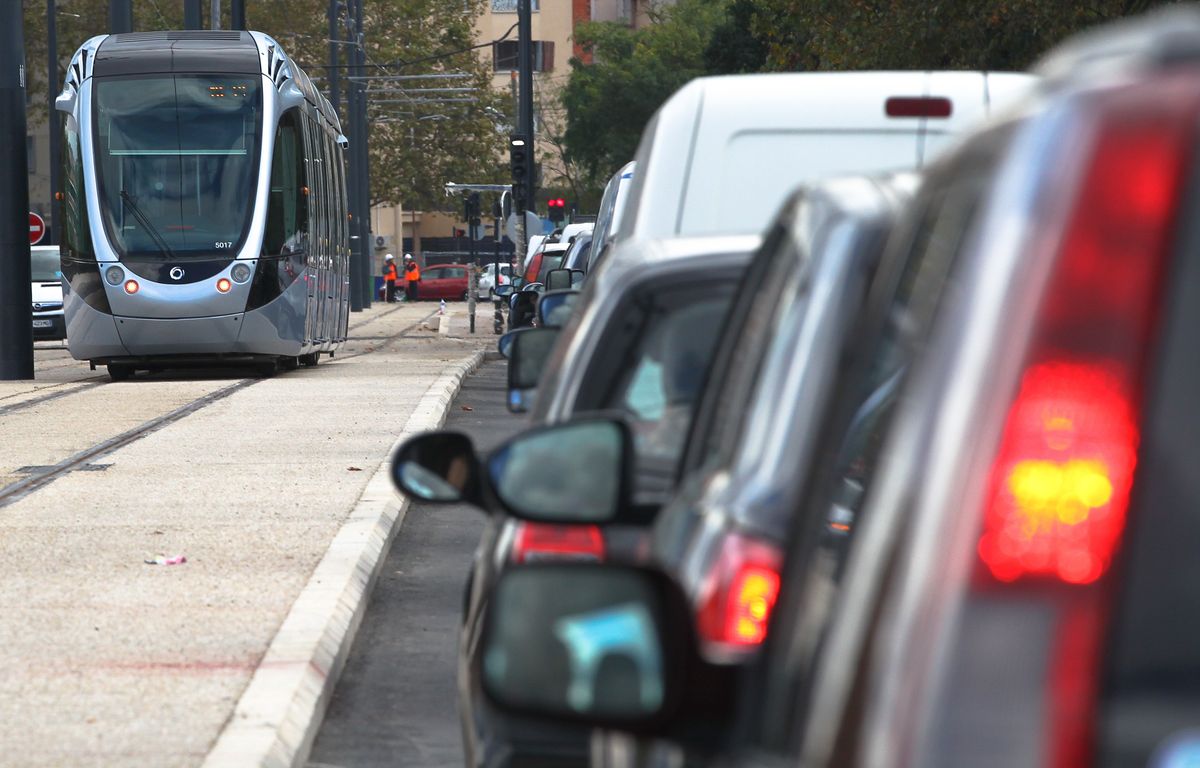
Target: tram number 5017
[{"x": 222, "y": 246}]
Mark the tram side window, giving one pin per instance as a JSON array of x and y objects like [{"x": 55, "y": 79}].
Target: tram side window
[
  {"x": 76, "y": 237},
  {"x": 287, "y": 210}
]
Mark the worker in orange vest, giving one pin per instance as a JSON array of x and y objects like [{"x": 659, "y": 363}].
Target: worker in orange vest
[
  {"x": 412, "y": 274},
  {"x": 390, "y": 275}
]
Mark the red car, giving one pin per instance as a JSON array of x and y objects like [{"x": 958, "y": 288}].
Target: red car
[{"x": 445, "y": 281}]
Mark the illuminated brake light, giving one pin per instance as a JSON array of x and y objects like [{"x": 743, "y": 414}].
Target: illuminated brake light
[
  {"x": 223, "y": 285},
  {"x": 1061, "y": 482},
  {"x": 131, "y": 287},
  {"x": 544, "y": 541},
  {"x": 918, "y": 106},
  {"x": 737, "y": 601}
]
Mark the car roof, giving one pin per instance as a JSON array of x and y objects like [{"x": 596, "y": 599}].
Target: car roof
[{"x": 703, "y": 116}]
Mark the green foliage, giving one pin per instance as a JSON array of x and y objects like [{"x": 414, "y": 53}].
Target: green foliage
[
  {"x": 915, "y": 34},
  {"x": 610, "y": 100},
  {"x": 411, "y": 157}
]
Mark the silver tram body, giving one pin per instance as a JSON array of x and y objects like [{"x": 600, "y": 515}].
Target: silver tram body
[{"x": 203, "y": 214}]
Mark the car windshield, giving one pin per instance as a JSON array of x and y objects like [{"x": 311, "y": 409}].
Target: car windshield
[
  {"x": 176, "y": 159},
  {"x": 45, "y": 265},
  {"x": 549, "y": 263}
]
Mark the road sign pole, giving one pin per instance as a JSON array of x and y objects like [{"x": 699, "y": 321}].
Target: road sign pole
[{"x": 16, "y": 299}]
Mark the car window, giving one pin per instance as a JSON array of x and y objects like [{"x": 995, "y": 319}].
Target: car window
[
  {"x": 655, "y": 363},
  {"x": 771, "y": 274},
  {"x": 549, "y": 263},
  {"x": 45, "y": 265},
  {"x": 905, "y": 296},
  {"x": 434, "y": 274},
  {"x": 455, "y": 272}
]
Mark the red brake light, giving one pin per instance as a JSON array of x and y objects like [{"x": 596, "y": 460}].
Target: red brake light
[
  {"x": 1060, "y": 484},
  {"x": 543, "y": 541},
  {"x": 737, "y": 601},
  {"x": 1059, "y": 489},
  {"x": 918, "y": 106}
]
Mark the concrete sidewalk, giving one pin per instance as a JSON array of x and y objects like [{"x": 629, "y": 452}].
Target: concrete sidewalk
[{"x": 274, "y": 494}]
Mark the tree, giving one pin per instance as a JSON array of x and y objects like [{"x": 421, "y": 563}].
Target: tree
[
  {"x": 913, "y": 34},
  {"x": 632, "y": 72}
]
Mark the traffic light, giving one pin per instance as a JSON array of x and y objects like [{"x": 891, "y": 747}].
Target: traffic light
[
  {"x": 558, "y": 209},
  {"x": 519, "y": 160}
]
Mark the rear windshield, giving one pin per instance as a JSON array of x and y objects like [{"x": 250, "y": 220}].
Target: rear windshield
[
  {"x": 549, "y": 263},
  {"x": 45, "y": 265},
  {"x": 742, "y": 188}
]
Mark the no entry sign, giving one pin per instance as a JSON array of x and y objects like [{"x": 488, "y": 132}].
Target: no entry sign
[{"x": 37, "y": 228}]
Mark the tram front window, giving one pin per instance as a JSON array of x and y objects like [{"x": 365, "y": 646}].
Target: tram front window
[{"x": 177, "y": 161}]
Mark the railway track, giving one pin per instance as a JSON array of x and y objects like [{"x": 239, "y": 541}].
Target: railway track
[{"x": 39, "y": 477}]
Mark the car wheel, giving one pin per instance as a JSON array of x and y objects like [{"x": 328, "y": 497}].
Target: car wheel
[{"x": 119, "y": 372}]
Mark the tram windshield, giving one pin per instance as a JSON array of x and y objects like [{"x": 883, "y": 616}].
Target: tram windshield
[{"x": 177, "y": 160}]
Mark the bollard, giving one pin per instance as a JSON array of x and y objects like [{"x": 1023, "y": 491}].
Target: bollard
[
  {"x": 442, "y": 307},
  {"x": 498, "y": 317}
]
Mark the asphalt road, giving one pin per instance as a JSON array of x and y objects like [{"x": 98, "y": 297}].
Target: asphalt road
[{"x": 395, "y": 704}]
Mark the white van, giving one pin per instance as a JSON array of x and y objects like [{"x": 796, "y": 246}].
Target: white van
[{"x": 722, "y": 154}]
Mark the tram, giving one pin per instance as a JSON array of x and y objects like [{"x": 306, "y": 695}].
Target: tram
[{"x": 203, "y": 209}]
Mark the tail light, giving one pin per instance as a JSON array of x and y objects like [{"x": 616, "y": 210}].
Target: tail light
[
  {"x": 1059, "y": 490},
  {"x": 542, "y": 541},
  {"x": 736, "y": 601}
]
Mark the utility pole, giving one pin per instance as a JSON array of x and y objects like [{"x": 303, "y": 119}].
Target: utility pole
[
  {"x": 16, "y": 303},
  {"x": 214, "y": 16},
  {"x": 334, "y": 37},
  {"x": 120, "y": 16},
  {"x": 237, "y": 14},
  {"x": 364, "y": 170},
  {"x": 524, "y": 197},
  {"x": 52, "y": 228},
  {"x": 357, "y": 256},
  {"x": 191, "y": 15}
]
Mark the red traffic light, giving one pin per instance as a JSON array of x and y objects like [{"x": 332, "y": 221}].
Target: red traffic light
[{"x": 560, "y": 203}]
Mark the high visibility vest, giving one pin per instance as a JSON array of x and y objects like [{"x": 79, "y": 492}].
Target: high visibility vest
[
  {"x": 412, "y": 272},
  {"x": 389, "y": 273}
]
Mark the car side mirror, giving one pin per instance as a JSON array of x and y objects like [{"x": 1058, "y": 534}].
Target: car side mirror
[
  {"x": 504, "y": 345},
  {"x": 523, "y": 307},
  {"x": 574, "y": 472},
  {"x": 604, "y": 645},
  {"x": 438, "y": 467},
  {"x": 563, "y": 279},
  {"x": 554, "y": 308},
  {"x": 528, "y": 352}
]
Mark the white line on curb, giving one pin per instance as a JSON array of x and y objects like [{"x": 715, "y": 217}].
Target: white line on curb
[{"x": 278, "y": 715}]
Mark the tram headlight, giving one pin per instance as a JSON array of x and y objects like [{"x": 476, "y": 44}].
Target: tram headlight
[
  {"x": 240, "y": 273},
  {"x": 223, "y": 285},
  {"x": 114, "y": 275}
]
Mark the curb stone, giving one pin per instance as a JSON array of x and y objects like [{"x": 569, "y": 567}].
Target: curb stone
[{"x": 278, "y": 715}]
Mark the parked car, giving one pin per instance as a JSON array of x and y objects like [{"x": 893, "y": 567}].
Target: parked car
[
  {"x": 642, "y": 339},
  {"x": 723, "y": 153},
  {"x": 608, "y": 219},
  {"x": 487, "y": 279},
  {"x": 577, "y": 255},
  {"x": 1017, "y": 418},
  {"x": 47, "y": 294},
  {"x": 444, "y": 281},
  {"x": 549, "y": 256}
]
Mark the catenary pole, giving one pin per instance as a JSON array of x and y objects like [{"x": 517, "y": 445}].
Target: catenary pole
[
  {"x": 364, "y": 177},
  {"x": 52, "y": 227},
  {"x": 192, "y": 15},
  {"x": 120, "y": 16},
  {"x": 351, "y": 125},
  {"x": 16, "y": 311}
]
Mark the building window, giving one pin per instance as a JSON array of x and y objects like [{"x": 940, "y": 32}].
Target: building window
[
  {"x": 505, "y": 57},
  {"x": 510, "y": 6}
]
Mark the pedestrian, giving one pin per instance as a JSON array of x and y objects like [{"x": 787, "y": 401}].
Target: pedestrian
[
  {"x": 390, "y": 275},
  {"x": 412, "y": 274}
]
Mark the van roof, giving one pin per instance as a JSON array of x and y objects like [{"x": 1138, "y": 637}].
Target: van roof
[{"x": 675, "y": 194}]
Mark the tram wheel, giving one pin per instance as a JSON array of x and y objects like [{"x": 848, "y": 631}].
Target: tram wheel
[
  {"x": 119, "y": 372},
  {"x": 310, "y": 360},
  {"x": 267, "y": 370},
  {"x": 289, "y": 363}
]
